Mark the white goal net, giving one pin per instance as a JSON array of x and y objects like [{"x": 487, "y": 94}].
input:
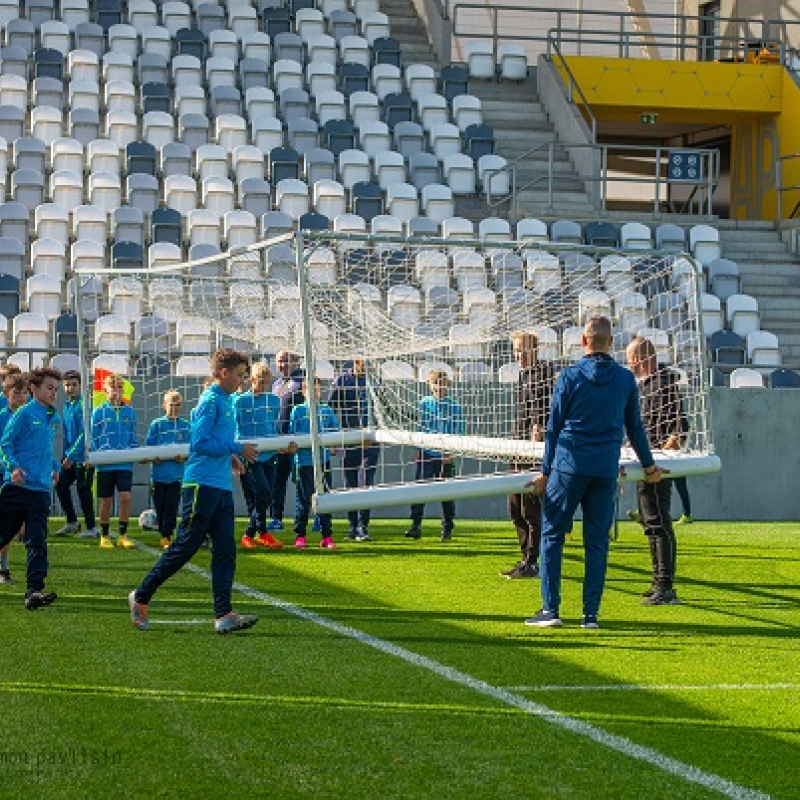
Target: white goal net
[{"x": 406, "y": 310}]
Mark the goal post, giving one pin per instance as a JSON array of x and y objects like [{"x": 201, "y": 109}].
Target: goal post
[{"x": 406, "y": 309}]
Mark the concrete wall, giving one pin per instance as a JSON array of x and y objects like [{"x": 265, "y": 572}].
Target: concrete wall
[
  {"x": 756, "y": 437},
  {"x": 570, "y": 126}
]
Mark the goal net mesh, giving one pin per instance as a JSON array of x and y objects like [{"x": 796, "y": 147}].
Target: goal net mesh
[{"x": 408, "y": 308}]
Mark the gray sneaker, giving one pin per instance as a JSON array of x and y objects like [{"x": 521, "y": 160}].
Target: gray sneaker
[
  {"x": 235, "y": 622},
  {"x": 544, "y": 619},
  {"x": 91, "y": 533},
  {"x": 138, "y": 613},
  {"x": 662, "y": 597},
  {"x": 69, "y": 529},
  {"x": 522, "y": 570},
  {"x": 5, "y": 577},
  {"x": 362, "y": 535}
]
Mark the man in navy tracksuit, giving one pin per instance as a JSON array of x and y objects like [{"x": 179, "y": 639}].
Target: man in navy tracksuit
[
  {"x": 348, "y": 399},
  {"x": 26, "y": 449},
  {"x": 595, "y": 403},
  {"x": 207, "y": 498}
]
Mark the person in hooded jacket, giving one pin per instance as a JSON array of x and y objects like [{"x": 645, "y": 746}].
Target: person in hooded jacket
[{"x": 595, "y": 403}]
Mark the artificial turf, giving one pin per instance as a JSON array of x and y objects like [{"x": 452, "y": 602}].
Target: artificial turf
[{"x": 90, "y": 707}]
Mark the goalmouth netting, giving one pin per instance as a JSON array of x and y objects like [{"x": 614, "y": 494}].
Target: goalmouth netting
[{"x": 407, "y": 308}]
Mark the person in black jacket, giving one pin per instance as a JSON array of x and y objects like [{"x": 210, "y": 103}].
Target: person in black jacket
[
  {"x": 532, "y": 402},
  {"x": 666, "y": 426}
]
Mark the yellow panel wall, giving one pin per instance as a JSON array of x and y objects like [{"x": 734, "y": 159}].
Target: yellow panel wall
[{"x": 760, "y": 102}]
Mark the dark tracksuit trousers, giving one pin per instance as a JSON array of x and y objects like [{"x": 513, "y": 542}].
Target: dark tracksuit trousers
[
  {"x": 18, "y": 507},
  {"x": 654, "y": 500}
]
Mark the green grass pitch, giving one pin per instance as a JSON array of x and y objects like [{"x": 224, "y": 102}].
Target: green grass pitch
[{"x": 464, "y": 707}]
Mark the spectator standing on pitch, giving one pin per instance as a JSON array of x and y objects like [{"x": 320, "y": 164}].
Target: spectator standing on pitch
[
  {"x": 300, "y": 422},
  {"x": 114, "y": 428},
  {"x": 207, "y": 498},
  {"x": 288, "y": 386},
  {"x": 438, "y": 413},
  {"x": 666, "y": 427},
  {"x": 73, "y": 470},
  {"x": 258, "y": 415},
  {"x": 533, "y": 395},
  {"x": 348, "y": 399},
  {"x": 15, "y": 393},
  {"x": 595, "y": 402},
  {"x": 167, "y": 474},
  {"x": 26, "y": 449}
]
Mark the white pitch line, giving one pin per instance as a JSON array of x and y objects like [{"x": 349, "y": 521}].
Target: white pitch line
[
  {"x": 618, "y": 743},
  {"x": 667, "y": 687}
]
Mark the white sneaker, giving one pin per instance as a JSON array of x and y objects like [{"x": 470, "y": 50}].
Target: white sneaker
[
  {"x": 91, "y": 533},
  {"x": 68, "y": 529}
]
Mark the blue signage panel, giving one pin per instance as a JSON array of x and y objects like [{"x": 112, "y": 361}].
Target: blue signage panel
[{"x": 685, "y": 166}]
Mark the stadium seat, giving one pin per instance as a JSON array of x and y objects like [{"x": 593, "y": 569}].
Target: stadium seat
[
  {"x": 727, "y": 348},
  {"x": 784, "y": 379},
  {"x": 480, "y": 59},
  {"x": 763, "y": 349},
  {"x": 746, "y": 378},
  {"x": 512, "y": 61},
  {"x": 723, "y": 277}
]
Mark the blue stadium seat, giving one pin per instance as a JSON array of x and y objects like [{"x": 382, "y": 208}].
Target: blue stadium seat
[
  {"x": 784, "y": 379},
  {"x": 156, "y": 97},
  {"x": 339, "y": 135},
  {"x": 397, "y": 107},
  {"x": 478, "y": 141},
  {"x": 127, "y": 255},
  {"x": 386, "y": 50},
  {"x": 367, "y": 200},
  {"x": 727, "y": 347},
  {"x": 453, "y": 81},
  {"x": 311, "y": 221},
  {"x": 66, "y": 331},
  {"x": 9, "y": 296},
  {"x": 191, "y": 42},
  {"x": 140, "y": 157},
  {"x": 276, "y": 20},
  {"x": 601, "y": 234},
  {"x": 166, "y": 225},
  {"x": 284, "y": 162}
]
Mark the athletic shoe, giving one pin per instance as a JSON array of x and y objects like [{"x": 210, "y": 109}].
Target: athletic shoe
[
  {"x": 34, "y": 600},
  {"x": 634, "y": 515},
  {"x": 68, "y": 529},
  {"x": 662, "y": 597},
  {"x": 268, "y": 540},
  {"x": 522, "y": 571},
  {"x": 362, "y": 535},
  {"x": 91, "y": 533},
  {"x": 125, "y": 543},
  {"x": 684, "y": 519},
  {"x": 327, "y": 543},
  {"x": 590, "y": 621},
  {"x": 650, "y": 592},
  {"x": 138, "y": 613},
  {"x": 352, "y": 535},
  {"x": 300, "y": 542},
  {"x": 446, "y": 535},
  {"x": 414, "y": 532},
  {"x": 544, "y": 619},
  {"x": 106, "y": 543},
  {"x": 165, "y": 542},
  {"x": 5, "y": 577},
  {"x": 234, "y": 622},
  {"x": 248, "y": 542},
  {"x": 506, "y": 572},
  {"x": 275, "y": 525},
  {"x": 317, "y": 526}
]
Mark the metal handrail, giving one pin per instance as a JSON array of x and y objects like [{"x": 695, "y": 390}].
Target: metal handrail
[
  {"x": 572, "y": 85},
  {"x": 710, "y": 157},
  {"x": 747, "y": 32},
  {"x": 780, "y": 188}
]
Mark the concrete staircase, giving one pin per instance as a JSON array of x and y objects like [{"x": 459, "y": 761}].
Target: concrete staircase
[
  {"x": 519, "y": 122},
  {"x": 770, "y": 273}
]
